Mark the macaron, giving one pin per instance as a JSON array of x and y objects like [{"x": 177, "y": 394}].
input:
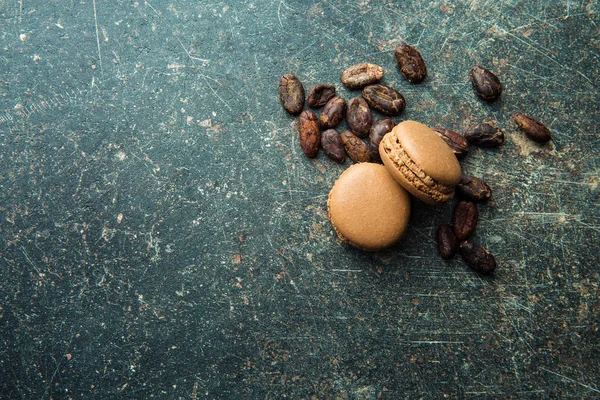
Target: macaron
[
  {"x": 421, "y": 162},
  {"x": 368, "y": 208}
]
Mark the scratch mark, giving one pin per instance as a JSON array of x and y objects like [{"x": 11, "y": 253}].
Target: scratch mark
[
  {"x": 20, "y": 12},
  {"x": 586, "y": 78},
  {"x": 203, "y": 60},
  {"x": 153, "y": 9},
  {"x": 434, "y": 342},
  {"x": 98, "y": 38},
  {"x": 571, "y": 380}
]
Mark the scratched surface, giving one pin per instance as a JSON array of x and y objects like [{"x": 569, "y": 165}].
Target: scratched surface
[{"x": 163, "y": 236}]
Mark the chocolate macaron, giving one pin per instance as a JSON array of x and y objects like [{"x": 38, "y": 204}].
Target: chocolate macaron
[
  {"x": 421, "y": 162},
  {"x": 368, "y": 208}
]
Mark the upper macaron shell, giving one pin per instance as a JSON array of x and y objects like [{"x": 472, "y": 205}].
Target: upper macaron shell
[
  {"x": 428, "y": 151},
  {"x": 421, "y": 162}
]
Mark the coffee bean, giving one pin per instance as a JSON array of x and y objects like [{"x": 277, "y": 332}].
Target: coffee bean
[
  {"x": 333, "y": 145},
  {"x": 473, "y": 189},
  {"x": 320, "y": 95},
  {"x": 358, "y": 117},
  {"x": 534, "y": 129},
  {"x": 333, "y": 113},
  {"x": 484, "y": 135},
  {"x": 485, "y": 84},
  {"x": 384, "y": 99},
  {"x": 355, "y": 147},
  {"x": 309, "y": 133},
  {"x": 464, "y": 219},
  {"x": 376, "y": 133},
  {"x": 477, "y": 258},
  {"x": 361, "y": 75},
  {"x": 456, "y": 141},
  {"x": 291, "y": 94},
  {"x": 410, "y": 62},
  {"x": 447, "y": 242}
]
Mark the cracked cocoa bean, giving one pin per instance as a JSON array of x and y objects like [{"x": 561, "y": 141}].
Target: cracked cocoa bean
[
  {"x": 410, "y": 63},
  {"x": 384, "y": 99},
  {"x": 464, "y": 219},
  {"x": 477, "y": 258},
  {"x": 376, "y": 133},
  {"x": 360, "y": 75},
  {"x": 447, "y": 242},
  {"x": 319, "y": 95},
  {"x": 534, "y": 129},
  {"x": 333, "y": 146},
  {"x": 291, "y": 94},
  {"x": 358, "y": 117},
  {"x": 309, "y": 133},
  {"x": 333, "y": 113},
  {"x": 456, "y": 141},
  {"x": 357, "y": 149},
  {"x": 484, "y": 135},
  {"x": 473, "y": 189},
  {"x": 485, "y": 84}
]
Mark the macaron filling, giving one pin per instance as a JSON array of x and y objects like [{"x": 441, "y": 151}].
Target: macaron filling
[{"x": 412, "y": 173}]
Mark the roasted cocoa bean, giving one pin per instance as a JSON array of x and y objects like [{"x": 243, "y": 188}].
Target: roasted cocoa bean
[
  {"x": 410, "y": 63},
  {"x": 376, "y": 133},
  {"x": 358, "y": 117},
  {"x": 309, "y": 133},
  {"x": 319, "y": 95},
  {"x": 464, "y": 219},
  {"x": 456, "y": 141},
  {"x": 357, "y": 149},
  {"x": 485, "y": 84},
  {"x": 484, "y": 135},
  {"x": 477, "y": 258},
  {"x": 291, "y": 94},
  {"x": 333, "y": 145},
  {"x": 447, "y": 242},
  {"x": 333, "y": 113},
  {"x": 361, "y": 75},
  {"x": 473, "y": 189},
  {"x": 534, "y": 129},
  {"x": 384, "y": 99}
]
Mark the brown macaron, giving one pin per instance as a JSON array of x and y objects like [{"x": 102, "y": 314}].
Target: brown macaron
[
  {"x": 421, "y": 162},
  {"x": 368, "y": 208}
]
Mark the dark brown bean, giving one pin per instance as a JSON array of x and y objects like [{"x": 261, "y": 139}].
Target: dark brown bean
[
  {"x": 384, "y": 99},
  {"x": 355, "y": 147},
  {"x": 410, "y": 63},
  {"x": 376, "y": 133},
  {"x": 484, "y": 135},
  {"x": 333, "y": 113},
  {"x": 477, "y": 258},
  {"x": 291, "y": 94},
  {"x": 485, "y": 84},
  {"x": 447, "y": 242},
  {"x": 456, "y": 141},
  {"x": 333, "y": 145},
  {"x": 534, "y": 129},
  {"x": 473, "y": 189},
  {"x": 361, "y": 75},
  {"x": 464, "y": 219},
  {"x": 309, "y": 133},
  {"x": 319, "y": 95},
  {"x": 358, "y": 117}
]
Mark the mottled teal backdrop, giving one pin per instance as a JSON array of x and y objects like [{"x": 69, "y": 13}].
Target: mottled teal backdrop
[{"x": 162, "y": 234}]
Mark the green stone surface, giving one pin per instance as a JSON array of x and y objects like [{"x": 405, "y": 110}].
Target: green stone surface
[{"x": 162, "y": 234}]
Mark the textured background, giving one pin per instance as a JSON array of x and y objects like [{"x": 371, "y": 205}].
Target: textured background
[{"x": 162, "y": 234}]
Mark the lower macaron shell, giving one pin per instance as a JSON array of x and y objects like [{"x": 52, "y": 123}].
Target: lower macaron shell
[
  {"x": 421, "y": 162},
  {"x": 368, "y": 208}
]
